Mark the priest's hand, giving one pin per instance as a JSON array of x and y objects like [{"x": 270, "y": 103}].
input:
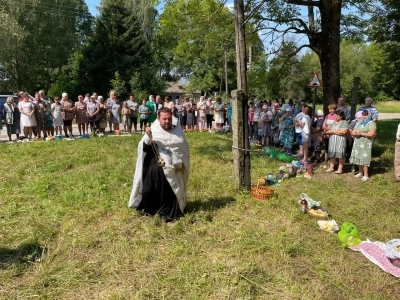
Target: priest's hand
[{"x": 148, "y": 131}]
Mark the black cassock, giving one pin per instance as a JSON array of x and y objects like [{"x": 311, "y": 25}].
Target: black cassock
[{"x": 157, "y": 194}]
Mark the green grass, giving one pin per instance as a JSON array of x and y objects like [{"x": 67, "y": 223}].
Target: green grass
[
  {"x": 388, "y": 106},
  {"x": 66, "y": 231},
  {"x": 383, "y": 107}
]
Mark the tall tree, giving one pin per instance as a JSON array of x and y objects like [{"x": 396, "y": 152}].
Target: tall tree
[
  {"x": 322, "y": 27},
  {"x": 385, "y": 29},
  {"x": 39, "y": 37},
  {"x": 117, "y": 45},
  {"x": 192, "y": 39}
]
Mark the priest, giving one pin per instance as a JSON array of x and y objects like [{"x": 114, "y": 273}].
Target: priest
[{"x": 162, "y": 169}]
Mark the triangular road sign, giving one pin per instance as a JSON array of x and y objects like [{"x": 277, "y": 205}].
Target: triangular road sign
[{"x": 315, "y": 82}]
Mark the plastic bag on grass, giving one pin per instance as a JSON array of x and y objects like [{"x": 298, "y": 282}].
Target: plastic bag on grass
[{"x": 348, "y": 235}]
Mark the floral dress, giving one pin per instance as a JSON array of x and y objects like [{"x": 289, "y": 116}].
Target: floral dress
[
  {"x": 115, "y": 110},
  {"x": 40, "y": 114},
  {"x": 287, "y": 133},
  {"x": 264, "y": 128},
  {"x": 362, "y": 146},
  {"x": 57, "y": 114},
  {"x": 275, "y": 129},
  {"x": 81, "y": 116},
  {"x": 190, "y": 117}
]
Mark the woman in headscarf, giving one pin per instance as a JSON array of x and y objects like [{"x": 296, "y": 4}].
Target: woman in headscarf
[
  {"x": 190, "y": 115},
  {"x": 152, "y": 107},
  {"x": 363, "y": 133},
  {"x": 287, "y": 130},
  {"x": 11, "y": 118},
  {"x": 201, "y": 114},
  {"x": 209, "y": 113}
]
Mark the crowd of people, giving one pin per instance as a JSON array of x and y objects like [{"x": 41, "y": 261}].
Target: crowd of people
[
  {"x": 39, "y": 117},
  {"x": 330, "y": 138}
]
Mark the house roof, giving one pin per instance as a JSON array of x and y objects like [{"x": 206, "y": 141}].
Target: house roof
[{"x": 178, "y": 88}]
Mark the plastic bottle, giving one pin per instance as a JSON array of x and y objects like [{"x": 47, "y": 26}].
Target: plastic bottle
[{"x": 304, "y": 205}]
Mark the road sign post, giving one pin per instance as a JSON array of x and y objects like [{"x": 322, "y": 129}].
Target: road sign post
[{"x": 315, "y": 84}]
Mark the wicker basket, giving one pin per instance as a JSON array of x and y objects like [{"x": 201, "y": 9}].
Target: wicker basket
[{"x": 260, "y": 191}]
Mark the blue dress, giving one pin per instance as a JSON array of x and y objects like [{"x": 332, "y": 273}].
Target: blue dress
[{"x": 287, "y": 133}]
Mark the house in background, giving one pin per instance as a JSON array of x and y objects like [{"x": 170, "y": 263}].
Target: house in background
[{"x": 177, "y": 89}]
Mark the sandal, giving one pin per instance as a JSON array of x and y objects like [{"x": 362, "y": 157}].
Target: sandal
[
  {"x": 359, "y": 175},
  {"x": 329, "y": 170},
  {"x": 365, "y": 178},
  {"x": 338, "y": 172}
]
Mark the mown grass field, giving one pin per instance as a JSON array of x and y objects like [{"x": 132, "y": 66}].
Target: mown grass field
[
  {"x": 383, "y": 107},
  {"x": 66, "y": 231}
]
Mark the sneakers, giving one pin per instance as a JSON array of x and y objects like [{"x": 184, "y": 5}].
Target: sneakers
[
  {"x": 365, "y": 178},
  {"x": 298, "y": 156},
  {"x": 359, "y": 175}
]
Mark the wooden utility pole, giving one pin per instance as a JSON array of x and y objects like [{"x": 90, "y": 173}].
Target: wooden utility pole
[
  {"x": 354, "y": 96},
  {"x": 241, "y": 155},
  {"x": 226, "y": 73}
]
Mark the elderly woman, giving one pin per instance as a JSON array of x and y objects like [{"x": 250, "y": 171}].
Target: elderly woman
[
  {"x": 40, "y": 114},
  {"x": 287, "y": 121},
  {"x": 101, "y": 116},
  {"x": 264, "y": 126},
  {"x": 81, "y": 115},
  {"x": 328, "y": 121},
  {"x": 11, "y": 118},
  {"x": 201, "y": 114},
  {"x": 337, "y": 142},
  {"x": 219, "y": 113},
  {"x": 363, "y": 132},
  {"x": 190, "y": 115}
]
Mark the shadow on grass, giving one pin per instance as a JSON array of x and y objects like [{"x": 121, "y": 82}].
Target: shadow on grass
[
  {"x": 25, "y": 253},
  {"x": 209, "y": 205}
]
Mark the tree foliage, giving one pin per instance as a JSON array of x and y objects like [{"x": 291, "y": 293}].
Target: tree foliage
[
  {"x": 356, "y": 60},
  {"x": 118, "y": 46},
  {"x": 38, "y": 37},
  {"x": 385, "y": 30},
  {"x": 192, "y": 38},
  {"x": 317, "y": 25}
]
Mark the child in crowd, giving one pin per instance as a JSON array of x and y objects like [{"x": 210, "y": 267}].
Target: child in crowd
[
  {"x": 126, "y": 117},
  {"x": 144, "y": 112},
  {"x": 49, "y": 120},
  {"x": 56, "y": 112}
]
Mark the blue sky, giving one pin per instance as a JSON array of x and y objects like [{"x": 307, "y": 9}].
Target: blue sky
[{"x": 92, "y": 6}]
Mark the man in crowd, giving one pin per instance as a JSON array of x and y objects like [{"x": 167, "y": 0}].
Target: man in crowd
[
  {"x": 158, "y": 103},
  {"x": 342, "y": 106},
  {"x": 162, "y": 169},
  {"x": 372, "y": 109}
]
